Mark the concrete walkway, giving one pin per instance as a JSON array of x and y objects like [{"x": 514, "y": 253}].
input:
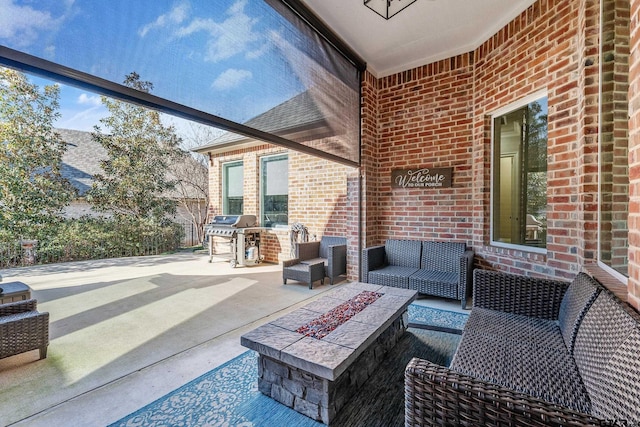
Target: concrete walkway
[{"x": 125, "y": 332}]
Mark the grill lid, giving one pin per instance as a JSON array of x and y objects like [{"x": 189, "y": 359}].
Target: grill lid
[
  {"x": 236, "y": 221},
  {"x": 226, "y": 225}
]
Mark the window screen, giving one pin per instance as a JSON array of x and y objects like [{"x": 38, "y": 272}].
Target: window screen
[{"x": 221, "y": 63}]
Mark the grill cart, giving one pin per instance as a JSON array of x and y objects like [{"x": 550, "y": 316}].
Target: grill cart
[{"x": 243, "y": 235}]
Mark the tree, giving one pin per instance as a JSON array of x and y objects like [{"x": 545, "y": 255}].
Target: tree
[
  {"x": 192, "y": 175},
  {"x": 140, "y": 149},
  {"x": 32, "y": 190},
  {"x": 192, "y": 191}
]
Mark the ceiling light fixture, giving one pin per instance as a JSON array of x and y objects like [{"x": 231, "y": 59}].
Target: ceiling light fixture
[{"x": 387, "y": 8}]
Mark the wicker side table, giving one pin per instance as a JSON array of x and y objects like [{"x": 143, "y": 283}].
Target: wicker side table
[{"x": 14, "y": 291}]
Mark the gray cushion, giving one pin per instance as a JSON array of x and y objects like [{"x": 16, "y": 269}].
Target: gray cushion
[
  {"x": 442, "y": 256},
  {"x": 575, "y": 303},
  {"x": 403, "y": 253},
  {"x": 313, "y": 261},
  {"x": 441, "y": 283},
  {"x": 541, "y": 372},
  {"x": 326, "y": 241},
  {"x": 392, "y": 275},
  {"x": 607, "y": 325},
  {"x": 531, "y": 330}
]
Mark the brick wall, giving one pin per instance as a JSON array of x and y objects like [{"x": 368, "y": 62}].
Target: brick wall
[
  {"x": 317, "y": 196},
  {"x": 438, "y": 116},
  {"x": 541, "y": 49},
  {"x": 368, "y": 228},
  {"x": 425, "y": 119},
  {"x": 614, "y": 135},
  {"x": 634, "y": 157}
]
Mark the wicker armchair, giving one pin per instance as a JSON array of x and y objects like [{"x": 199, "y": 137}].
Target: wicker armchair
[
  {"x": 329, "y": 252},
  {"x": 23, "y": 328}
]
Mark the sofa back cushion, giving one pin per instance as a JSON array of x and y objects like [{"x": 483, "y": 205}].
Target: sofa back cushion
[
  {"x": 327, "y": 241},
  {"x": 618, "y": 395},
  {"x": 608, "y": 331},
  {"x": 403, "y": 253},
  {"x": 575, "y": 303},
  {"x": 442, "y": 256}
]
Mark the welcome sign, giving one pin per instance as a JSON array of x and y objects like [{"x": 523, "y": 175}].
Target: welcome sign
[{"x": 421, "y": 178}]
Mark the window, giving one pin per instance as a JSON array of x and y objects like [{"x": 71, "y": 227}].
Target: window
[
  {"x": 232, "y": 188},
  {"x": 613, "y": 228},
  {"x": 519, "y": 193},
  {"x": 275, "y": 191}
]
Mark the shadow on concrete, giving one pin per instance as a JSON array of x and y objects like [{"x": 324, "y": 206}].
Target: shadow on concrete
[{"x": 102, "y": 330}]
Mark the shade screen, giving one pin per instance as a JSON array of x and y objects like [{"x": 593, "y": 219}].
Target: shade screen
[
  {"x": 235, "y": 180},
  {"x": 251, "y": 62}
]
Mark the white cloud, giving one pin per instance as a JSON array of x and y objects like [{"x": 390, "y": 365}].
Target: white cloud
[
  {"x": 234, "y": 35},
  {"x": 21, "y": 24},
  {"x": 174, "y": 17},
  {"x": 93, "y": 100},
  {"x": 50, "y": 51},
  {"x": 231, "y": 78},
  {"x": 198, "y": 24}
]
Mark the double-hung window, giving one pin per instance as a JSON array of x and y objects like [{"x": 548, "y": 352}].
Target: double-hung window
[
  {"x": 519, "y": 167},
  {"x": 232, "y": 188},
  {"x": 275, "y": 190}
]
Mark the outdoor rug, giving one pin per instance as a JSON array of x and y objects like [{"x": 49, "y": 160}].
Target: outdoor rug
[{"x": 229, "y": 396}]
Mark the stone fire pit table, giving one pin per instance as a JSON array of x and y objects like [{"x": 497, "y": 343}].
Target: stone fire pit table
[{"x": 317, "y": 376}]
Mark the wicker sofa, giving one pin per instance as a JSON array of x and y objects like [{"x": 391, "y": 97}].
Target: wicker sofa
[
  {"x": 432, "y": 268},
  {"x": 534, "y": 352}
]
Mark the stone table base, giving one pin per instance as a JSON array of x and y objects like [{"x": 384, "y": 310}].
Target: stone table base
[{"x": 316, "y": 377}]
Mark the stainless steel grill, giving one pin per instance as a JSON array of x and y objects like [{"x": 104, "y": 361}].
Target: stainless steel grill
[
  {"x": 226, "y": 225},
  {"x": 243, "y": 236}
]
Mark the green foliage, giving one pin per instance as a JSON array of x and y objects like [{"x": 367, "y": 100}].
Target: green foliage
[
  {"x": 536, "y": 179},
  {"x": 94, "y": 238},
  {"x": 134, "y": 182},
  {"x": 32, "y": 191}
]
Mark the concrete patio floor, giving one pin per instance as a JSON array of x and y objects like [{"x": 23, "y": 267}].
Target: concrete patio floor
[{"x": 127, "y": 331}]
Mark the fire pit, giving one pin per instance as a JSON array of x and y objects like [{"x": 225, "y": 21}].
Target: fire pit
[
  {"x": 328, "y": 322},
  {"x": 315, "y": 358}
]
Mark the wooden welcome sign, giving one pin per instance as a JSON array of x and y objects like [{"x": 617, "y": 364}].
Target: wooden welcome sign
[{"x": 421, "y": 178}]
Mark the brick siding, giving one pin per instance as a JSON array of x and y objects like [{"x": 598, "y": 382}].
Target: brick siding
[
  {"x": 317, "y": 196},
  {"x": 438, "y": 116}
]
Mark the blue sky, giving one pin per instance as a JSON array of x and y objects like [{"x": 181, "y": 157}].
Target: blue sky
[{"x": 214, "y": 55}]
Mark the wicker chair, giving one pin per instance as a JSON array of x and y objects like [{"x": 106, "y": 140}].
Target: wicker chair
[
  {"x": 23, "y": 328},
  {"x": 329, "y": 252}
]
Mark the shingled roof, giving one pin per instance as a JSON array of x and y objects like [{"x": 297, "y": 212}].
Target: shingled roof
[
  {"x": 82, "y": 158},
  {"x": 297, "y": 114}
]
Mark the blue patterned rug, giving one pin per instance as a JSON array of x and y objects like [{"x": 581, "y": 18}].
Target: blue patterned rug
[
  {"x": 228, "y": 395},
  {"x": 437, "y": 320}
]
